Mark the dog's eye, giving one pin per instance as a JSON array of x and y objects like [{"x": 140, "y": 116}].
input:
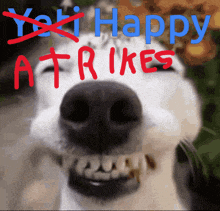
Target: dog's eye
[
  {"x": 51, "y": 69},
  {"x": 160, "y": 68}
]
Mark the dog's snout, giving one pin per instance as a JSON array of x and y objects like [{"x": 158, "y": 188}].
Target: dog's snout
[{"x": 99, "y": 115}]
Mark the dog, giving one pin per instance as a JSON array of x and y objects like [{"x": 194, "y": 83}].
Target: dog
[{"x": 113, "y": 139}]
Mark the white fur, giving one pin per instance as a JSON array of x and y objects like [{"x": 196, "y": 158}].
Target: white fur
[{"x": 171, "y": 111}]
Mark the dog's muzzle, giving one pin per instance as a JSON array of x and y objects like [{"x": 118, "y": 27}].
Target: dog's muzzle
[{"x": 99, "y": 115}]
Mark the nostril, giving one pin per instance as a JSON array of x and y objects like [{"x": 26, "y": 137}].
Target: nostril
[
  {"x": 77, "y": 111},
  {"x": 122, "y": 112}
]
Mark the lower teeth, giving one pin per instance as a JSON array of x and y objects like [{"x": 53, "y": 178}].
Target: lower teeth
[{"x": 95, "y": 183}]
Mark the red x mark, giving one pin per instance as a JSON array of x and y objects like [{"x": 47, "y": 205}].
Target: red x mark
[{"x": 44, "y": 27}]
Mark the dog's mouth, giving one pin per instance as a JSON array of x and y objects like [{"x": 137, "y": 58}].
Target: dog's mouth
[{"x": 107, "y": 176}]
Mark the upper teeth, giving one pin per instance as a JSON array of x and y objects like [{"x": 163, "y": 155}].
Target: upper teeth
[
  {"x": 107, "y": 164},
  {"x": 112, "y": 167}
]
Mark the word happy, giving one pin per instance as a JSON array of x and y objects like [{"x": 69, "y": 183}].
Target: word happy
[{"x": 126, "y": 27}]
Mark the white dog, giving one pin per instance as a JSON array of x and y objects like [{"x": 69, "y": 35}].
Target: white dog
[{"x": 114, "y": 138}]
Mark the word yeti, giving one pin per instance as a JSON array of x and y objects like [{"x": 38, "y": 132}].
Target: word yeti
[
  {"x": 125, "y": 59},
  {"x": 114, "y": 23}
]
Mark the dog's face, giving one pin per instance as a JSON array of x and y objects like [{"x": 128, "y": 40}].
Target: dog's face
[{"x": 115, "y": 135}]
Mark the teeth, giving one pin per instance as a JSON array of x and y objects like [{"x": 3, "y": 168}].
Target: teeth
[
  {"x": 107, "y": 164},
  {"x": 130, "y": 166},
  {"x": 106, "y": 176},
  {"x": 125, "y": 172},
  {"x": 142, "y": 165},
  {"x": 135, "y": 173},
  {"x": 133, "y": 161},
  {"x": 98, "y": 175},
  {"x": 115, "y": 174},
  {"x": 95, "y": 183},
  {"x": 94, "y": 163},
  {"x": 89, "y": 173},
  {"x": 82, "y": 163},
  {"x": 101, "y": 176},
  {"x": 120, "y": 164}
]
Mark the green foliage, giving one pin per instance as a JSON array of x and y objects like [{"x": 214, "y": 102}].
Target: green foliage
[
  {"x": 207, "y": 81},
  {"x": 84, "y": 2},
  {"x": 2, "y": 99},
  {"x": 210, "y": 155}
]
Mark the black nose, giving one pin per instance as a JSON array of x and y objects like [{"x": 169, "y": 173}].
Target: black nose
[{"x": 99, "y": 115}]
